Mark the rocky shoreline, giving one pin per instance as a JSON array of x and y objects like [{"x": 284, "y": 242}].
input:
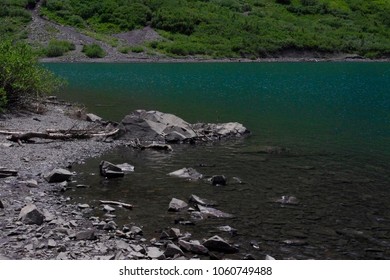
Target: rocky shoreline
[{"x": 39, "y": 221}]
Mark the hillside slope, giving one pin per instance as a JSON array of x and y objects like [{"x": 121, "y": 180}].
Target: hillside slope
[{"x": 230, "y": 28}]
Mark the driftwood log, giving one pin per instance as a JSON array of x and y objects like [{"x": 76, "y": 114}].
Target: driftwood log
[
  {"x": 117, "y": 203},
  {"x": 154, "y": 146},
  {"x": 17, "y": 136}
]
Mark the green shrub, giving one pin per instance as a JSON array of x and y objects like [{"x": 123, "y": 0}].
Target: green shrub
[
  {"x": 94, "y": 51},
  {"x": 22, "y": 80},
  {"x": 137, "y": 49},
  {"x": 58, "y": 48}
]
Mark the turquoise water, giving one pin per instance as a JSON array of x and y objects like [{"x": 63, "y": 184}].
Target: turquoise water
[{"x": 334, "y": 118}]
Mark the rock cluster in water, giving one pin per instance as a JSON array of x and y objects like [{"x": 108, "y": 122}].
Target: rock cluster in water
[{"x": 162, "y": 127}]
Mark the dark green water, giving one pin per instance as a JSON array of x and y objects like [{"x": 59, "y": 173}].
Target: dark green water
[{"x": 334, "y": 117}]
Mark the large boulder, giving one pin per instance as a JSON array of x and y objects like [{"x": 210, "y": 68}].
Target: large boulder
[
  {"x": 155, "y": 126},
  {"x": 30, "y": 215}
]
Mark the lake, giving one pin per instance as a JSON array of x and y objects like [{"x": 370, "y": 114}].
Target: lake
[{"x": 334, "y": 118}]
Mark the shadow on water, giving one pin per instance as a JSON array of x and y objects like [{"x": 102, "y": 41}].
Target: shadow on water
[{"x": 333, "y": 118}]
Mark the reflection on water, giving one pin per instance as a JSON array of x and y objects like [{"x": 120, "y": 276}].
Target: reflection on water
[{"x": 333, "y": 117}]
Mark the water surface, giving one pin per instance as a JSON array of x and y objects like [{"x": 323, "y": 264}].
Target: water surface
[{"x": 333, "y": 117}]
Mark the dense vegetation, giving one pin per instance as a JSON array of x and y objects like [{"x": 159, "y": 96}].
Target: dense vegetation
[
  {"x": 14, "y": 15},
  {"x": 22, "y": 80},
  {"x": 238, "y": 28},
  {"x": 227, "y": 28}
]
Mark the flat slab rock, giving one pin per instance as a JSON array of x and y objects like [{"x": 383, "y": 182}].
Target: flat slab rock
[{"x": 157, "y": 126}]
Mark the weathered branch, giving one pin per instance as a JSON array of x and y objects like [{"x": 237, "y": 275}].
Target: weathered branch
[
  {"x": 124, "y": 205},
  {"x": 154, "y": 146},
  {"x": 17, "y": 136}
]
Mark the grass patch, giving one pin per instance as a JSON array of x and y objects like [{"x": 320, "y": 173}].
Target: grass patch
[{"x": 58, "y": 48}]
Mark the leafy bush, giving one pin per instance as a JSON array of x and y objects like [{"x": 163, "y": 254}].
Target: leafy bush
[
  {"x": 22, "y": 80},
  {"x": 58, "y": 48},
  {"x": 284, "y": 2},
  {"x": 94, "y": 51}
]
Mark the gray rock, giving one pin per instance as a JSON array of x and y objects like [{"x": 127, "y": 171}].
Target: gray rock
[
  {"x": 51, "y": 243},
  {"x": 93, "y": 118},
  {"x": 269, "y": 258},
  {"x": 208, "y": 211},
  {"x": 83, "y": 206},
  {"x": 31, "y": 183},
  {"x": 202, "y": 201},
  {"x": 220, "y": 130},
  {"x": 88, "y": 234},
  {"x": 177, "y": 205},
  {"x": 187, "y": 173},
  {"x": 108, "y": 208},
  {"x": 58, "y": 175},
  {"x": 30, "y": 215},
  {"x": 286, "y": 199},
  {"x": 218, "y": 180},
  {"x": 6, "y": 145},
  {"x": 174, "y": 233},
  {"x": 125, "y": 167},
  {"x": 111, "y": 225},
  {"x": 154, "y": 126},
  {"x": 193, "y": 246},
  {"x": 138, "y": 248},
  {"x": 136, "y": 230},
  {"x": 172, "y": 250},
  {"x": 228, "y": 229},
  {"x": 110, "y": 170},
  {"x": 218, "y": 244},
  {"x": 295, "y": 242},
  {"x": 120, "y": 244},
  {"x": 155, "y": 253}
]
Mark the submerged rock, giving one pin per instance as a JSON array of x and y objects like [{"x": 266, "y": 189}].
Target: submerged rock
[
  {"x": 187, "y": 173},
  {"x": 218, "y": 180},
  {"x": 58, "y": 175},
  {"x": 218, "y": 244},
  {"x": 201, "y": 201},
  {"x": 177, "y": 205},
  {"x": 209, "y": 211},
  {"x": 228, "y": 229},
  {"x": 286, "y": 199},
  {"x": 125, "y": 167},
  {"x": 30, "y": 215},
  {"x": 110, "y": 170}
]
